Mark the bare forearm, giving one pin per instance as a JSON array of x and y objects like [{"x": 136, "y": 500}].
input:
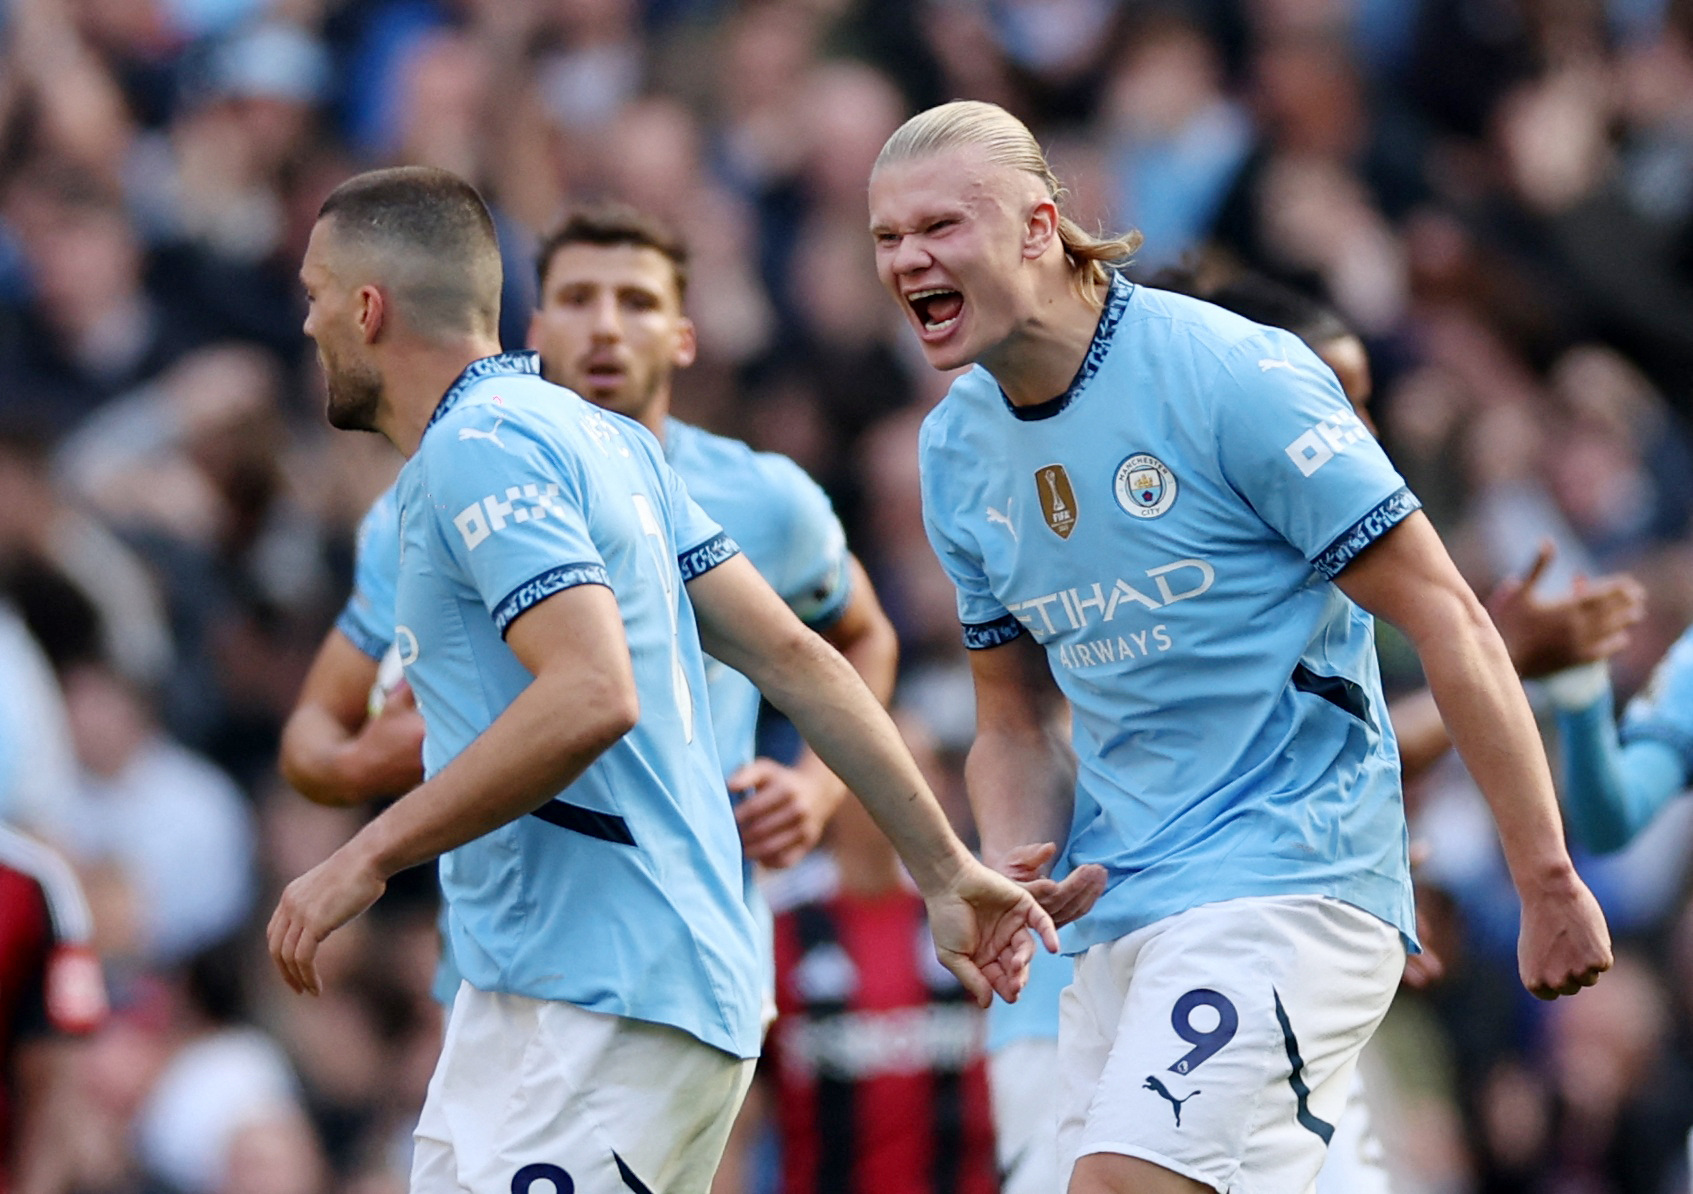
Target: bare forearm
[
  {"x": 854, "y": 737},
  {"x": 1021, "y": 787},
  {"x": 1482, "y": 703},
  {"x": 316, "y": 760},
  {"x": 540, "y": 744}
]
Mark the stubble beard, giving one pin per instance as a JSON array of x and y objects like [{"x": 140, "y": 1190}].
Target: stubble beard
[{"x": 355, "y": 393}]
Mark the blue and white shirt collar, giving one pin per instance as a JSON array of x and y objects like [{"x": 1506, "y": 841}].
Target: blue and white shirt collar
[
  {"x": 1116, "y": 302},
  {"x": 524, "y": 361}
]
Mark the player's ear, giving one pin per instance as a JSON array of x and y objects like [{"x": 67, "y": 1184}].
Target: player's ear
[
  {"x": 687, "y": 343},
  {"x": 371, "y": 310},
  {"x": 1041, "y": 228}
]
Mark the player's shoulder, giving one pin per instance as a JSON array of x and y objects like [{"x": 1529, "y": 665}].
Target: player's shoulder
[
  {"x": 383, "y": 516},
  {"x": 972, "y": 394},
  {"x": 718, "y": 467},
  {"x": 1200, "y": 327}
]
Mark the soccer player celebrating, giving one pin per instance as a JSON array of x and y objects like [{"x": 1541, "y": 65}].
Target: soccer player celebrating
[
  {"x": 610, "y": 325},
  {"x": 550, "y": 568},
  {"x": 1180, "y": 507}
]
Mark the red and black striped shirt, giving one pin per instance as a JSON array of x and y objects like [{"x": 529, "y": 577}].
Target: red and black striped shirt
[{"x": 877, "y": 1055}]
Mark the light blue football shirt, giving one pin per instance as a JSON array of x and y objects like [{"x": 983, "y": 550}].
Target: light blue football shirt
[
  {"x": 1168, "y": 529},
  {"x": 623, "y": 894},
  {"x": 784, "y": 523},
  {"x": 1663, "y": 710},
  {"x": 368, "y": 617}
]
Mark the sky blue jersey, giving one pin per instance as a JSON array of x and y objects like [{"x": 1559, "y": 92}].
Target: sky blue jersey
[
  {"x": 1169, "y": 529},
  {"x": 367, "y": 619},
  {"x": 1663, "y": 710},
  {"x": 784, "y": 523},
  {"x": 622, "y": 894},
  {"x": 766, "y": 503}
]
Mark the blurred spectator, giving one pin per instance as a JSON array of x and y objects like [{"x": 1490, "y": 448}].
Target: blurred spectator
[{"x": 178, "y": 830}]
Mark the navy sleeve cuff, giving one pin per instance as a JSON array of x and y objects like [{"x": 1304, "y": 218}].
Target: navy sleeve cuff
[
  {"x": 697, "y": 561},
  {"x": 979, "y": 636},
  {"x": 1387, "y": 514},
  {"x": 551, "y": 582}
]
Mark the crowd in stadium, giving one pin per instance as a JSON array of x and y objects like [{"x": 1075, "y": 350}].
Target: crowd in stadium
[{"x": 1497, "y": 195}]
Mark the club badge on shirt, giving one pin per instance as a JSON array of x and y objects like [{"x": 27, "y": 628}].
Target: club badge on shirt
[
  {"x": 1057, "y": 499},
  {"x": 1145, "y": 486}
]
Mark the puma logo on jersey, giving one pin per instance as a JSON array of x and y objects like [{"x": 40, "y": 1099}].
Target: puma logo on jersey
[
  {"x": 1265, "y": 364},
  {"x": 1162, "y": 1091},
  {"x": 1004, "y": 519},
  {"x": 466, "y": 433}
]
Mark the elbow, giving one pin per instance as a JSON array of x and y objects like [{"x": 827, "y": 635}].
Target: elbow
[{"x": 615, "y": 714}]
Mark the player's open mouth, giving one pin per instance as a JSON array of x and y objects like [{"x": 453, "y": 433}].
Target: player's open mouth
[{"x": 937, "y": 309}]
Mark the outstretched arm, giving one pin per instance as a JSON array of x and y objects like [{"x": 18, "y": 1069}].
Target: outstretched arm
[
  {"x": 1407, "y": 578},
  {"x": 783, "y": 817},
  {"x": 1612, "y": 791},
  {"x": 977, "y": 917}
]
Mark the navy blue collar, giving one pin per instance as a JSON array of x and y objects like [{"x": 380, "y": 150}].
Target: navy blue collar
[
  {"x": 1116, "y": 302},
  {"x": 524, "y": 362}
]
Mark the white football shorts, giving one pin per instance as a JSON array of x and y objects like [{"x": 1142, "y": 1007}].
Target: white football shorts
[
  {"x": 534, "y": 1096},
  {"x": 1023, "y": 1087},
  {"x": 1220, "y": 1043}
]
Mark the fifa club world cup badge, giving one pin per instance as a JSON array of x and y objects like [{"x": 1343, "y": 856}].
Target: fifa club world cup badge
[
  {"x": 1145, "y": 486},
  {"x": 1057, "y": 499}
]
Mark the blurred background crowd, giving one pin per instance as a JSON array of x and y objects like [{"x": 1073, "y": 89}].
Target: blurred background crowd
[{"x": 1498, "y": 194}]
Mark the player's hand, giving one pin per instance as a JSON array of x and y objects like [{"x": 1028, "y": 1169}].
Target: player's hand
[
  {"x": 1564, "y": 944},
  {"x": 386, "y": 755},
  {"x": 1546, "y": 635},
  {"x": 1064, "y": 899},
  {"x": 783, "y": 816},
  {"x": 314, "y": 906},
  {"x": 981, "y": 922}
]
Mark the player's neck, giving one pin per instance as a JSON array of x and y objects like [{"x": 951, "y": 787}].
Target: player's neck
[
  {"x": 417, "y": 378},
  {"x": 656, "y": 413},
  {"x": 1040, "y": 359}
]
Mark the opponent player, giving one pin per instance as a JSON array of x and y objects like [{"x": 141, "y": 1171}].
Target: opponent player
[
  {"x": 1178, "y": 505},
  {"x": 602, "y": 1037},
  {"x": 1542, "y": 635}
]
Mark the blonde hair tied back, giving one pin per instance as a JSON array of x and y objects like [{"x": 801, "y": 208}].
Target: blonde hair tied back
[{"x": 1008, "y": 142}]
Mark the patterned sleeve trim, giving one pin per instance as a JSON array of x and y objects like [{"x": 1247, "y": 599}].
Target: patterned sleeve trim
[
  {"x": 979, "y": 636},
  {"x": 367, "y": 643},
  {"x": 716, "y": 550},
  {"x": 1674, "y": 737},
  {"x": 551, "y": 582},
  {"x": 1387, "y": 514}
]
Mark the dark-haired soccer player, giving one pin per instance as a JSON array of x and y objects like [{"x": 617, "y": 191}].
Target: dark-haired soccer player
[
  {"x": 610, "y": 325},
  {"x": 1180, "y": 508},
  {"x": 551, "y": 566}
]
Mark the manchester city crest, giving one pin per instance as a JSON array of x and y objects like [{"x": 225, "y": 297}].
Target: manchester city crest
[{"x": 1145, "y": 486}]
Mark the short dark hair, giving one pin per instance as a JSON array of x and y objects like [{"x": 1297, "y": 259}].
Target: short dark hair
[
  {"x": 608, "y": 224},
  {"x": 434, "y": 230}
]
